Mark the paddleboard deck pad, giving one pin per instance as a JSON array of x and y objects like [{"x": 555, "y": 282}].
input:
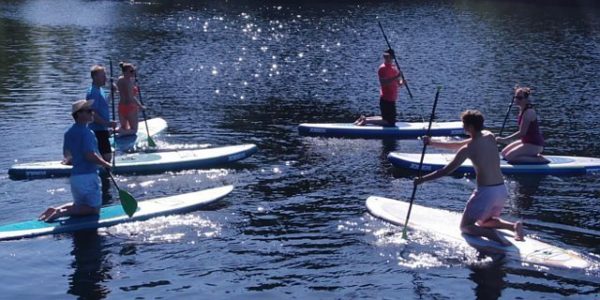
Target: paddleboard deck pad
[
  {"x": 114, "y": 214},
  {"x": 445, "y": 224},
  {"x": 134, "y": 142},
  {"x": 143, "y": 163},
  {"x": 559, "y": 165},
  {"x": 402, "y": 130}
]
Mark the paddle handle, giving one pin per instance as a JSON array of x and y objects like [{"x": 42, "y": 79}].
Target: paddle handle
[
  {"x": 412, "y": 197},
  {"x": 396, "y": 61}
]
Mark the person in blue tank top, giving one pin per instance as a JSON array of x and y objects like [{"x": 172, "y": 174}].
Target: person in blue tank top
[
  {"x": 80, "y": 149},
  {"x": 102, "y": 122}
]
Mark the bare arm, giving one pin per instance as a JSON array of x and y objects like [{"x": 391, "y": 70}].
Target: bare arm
[
  {"x": 527, "y": 119},
  {"x": 451, "y": 145},
  {"x": 458, "y": 159}
]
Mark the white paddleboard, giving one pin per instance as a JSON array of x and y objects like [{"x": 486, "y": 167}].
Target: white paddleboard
[
  {"x": 445, "y": 224},
  {"x": 143, "y": 163},
  {"x": 134, "y": 142}
]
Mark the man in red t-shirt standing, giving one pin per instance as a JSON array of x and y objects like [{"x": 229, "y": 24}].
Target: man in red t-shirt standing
[{"x": 390, "y": 79}]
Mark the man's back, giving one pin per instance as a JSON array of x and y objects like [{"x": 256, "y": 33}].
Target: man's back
[{"x": 483, "y": 152}]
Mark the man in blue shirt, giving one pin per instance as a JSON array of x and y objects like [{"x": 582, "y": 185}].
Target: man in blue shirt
[
  {"x": 102, "y": 121},
  {"x": 80, "y": 149}
]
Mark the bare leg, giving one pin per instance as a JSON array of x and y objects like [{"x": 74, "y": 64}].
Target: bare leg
[
  {"x": 468, "y": 226},
  {"x": 517, "y": 227},
  {"x": 525, "y": 153},
  {"x": 132, "y": 118},
  {"x": 125, "y": 127},
  {"x": 509, "y": 148},
  {"x": 67, "y": 210}
]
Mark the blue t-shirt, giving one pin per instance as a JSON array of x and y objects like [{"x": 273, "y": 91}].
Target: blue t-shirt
[
  {"x": 100, "y": 105},
  {"x": 79, "y": 140}
]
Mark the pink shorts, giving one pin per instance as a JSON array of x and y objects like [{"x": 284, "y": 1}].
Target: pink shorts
[{"x": 486, "y": 202}]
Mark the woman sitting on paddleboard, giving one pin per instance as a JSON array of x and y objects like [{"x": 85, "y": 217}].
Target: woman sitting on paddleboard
[
  {"x": 128, "y": 102},
  {"x": 529, "y": 147}
]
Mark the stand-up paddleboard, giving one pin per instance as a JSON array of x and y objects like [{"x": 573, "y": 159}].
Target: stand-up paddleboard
[
  {"x": 133, "y": 142},
  {"x": 114, "y": 214},
  {"x": 143, "y": 163},
  {"x": 402, "y": 130},
  {"x": 559, "y": 165},
  {"x": 445, "y": 224}
]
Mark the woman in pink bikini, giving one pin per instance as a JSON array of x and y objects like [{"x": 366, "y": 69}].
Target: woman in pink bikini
[
  {"x": 129, "y": 105},
  {"x": 529, "y": 147}
]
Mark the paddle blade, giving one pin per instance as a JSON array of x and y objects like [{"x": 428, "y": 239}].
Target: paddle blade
[
  {"x": 151, "y": 143},
  {"x": 128, "y": 202}
]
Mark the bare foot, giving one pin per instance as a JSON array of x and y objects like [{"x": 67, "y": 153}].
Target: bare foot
[
  {"x": 47, "y": 213},
  {"x": 519, "y": 234},
  {"x": 360, "y": 121},
  {"x": 543, "y": 159}
]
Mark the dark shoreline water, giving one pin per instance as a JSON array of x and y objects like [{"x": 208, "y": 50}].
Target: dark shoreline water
[{"x": 296, "y": 226}]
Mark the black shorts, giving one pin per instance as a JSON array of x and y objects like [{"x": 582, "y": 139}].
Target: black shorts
[
  {"x": 388, "y": 111},
  {"x": 103, "y": 143}
]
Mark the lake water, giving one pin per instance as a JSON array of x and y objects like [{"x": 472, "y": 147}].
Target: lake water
[{"x": 296, "y": 225}]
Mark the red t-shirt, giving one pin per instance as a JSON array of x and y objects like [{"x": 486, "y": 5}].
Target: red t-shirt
[{"x": 388, "y": 92}]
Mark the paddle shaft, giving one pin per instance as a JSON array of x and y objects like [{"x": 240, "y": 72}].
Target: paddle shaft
[
  {"x": 150, "y": 141},
  {"x": 396, "y": 61},
  {"x": 506, "y": 116},
  {"x": 412, "y": 197},
  {"x": 112, "y": 97}
]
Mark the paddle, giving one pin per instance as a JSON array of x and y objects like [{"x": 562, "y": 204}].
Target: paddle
[
  {"x": 151, "y": 142},
  {"x": 412, "y": 198},
  {"x": 507, "y": 112},
  {"x": 396, "y": 61},
  {"x": 112, "y": 97},
  {"x": 127, "y": 201}
]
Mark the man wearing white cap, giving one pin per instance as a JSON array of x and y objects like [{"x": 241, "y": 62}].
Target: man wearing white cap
[{"x": 80, "y": 148}]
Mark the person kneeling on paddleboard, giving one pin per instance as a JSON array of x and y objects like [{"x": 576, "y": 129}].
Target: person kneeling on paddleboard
[
  {"x": 528, "y": 149},
  {"x": 390, "y": 79},
  {"x": 80, "y": 147},
  {"x": 482, "y": 212}
]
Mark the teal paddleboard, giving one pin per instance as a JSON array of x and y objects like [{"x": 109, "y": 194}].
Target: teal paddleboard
[{"x": 114, "y": 214}]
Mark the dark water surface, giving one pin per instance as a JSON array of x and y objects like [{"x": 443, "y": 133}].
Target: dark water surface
[{"x": 296, "y": 225}]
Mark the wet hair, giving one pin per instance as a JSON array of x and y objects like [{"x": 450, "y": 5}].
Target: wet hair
[
  {"x": 472, "y": 117},
  {"x": 126, "y": 66},
  {"x": 96, "y": 69}
]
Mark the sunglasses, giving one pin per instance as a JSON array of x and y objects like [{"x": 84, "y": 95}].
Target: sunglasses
[
  {"x": 89, "y": 111},
  {"x": 519, "y": 97}
]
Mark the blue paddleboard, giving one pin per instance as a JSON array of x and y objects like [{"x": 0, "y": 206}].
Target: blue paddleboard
[
  {"x": 559, "y": 165},
  {"x": 402, "y": 130}
]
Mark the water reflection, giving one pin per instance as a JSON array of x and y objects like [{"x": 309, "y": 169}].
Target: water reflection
[
  {"x": 90, "y": 269},
  {"x": 489, "y": 280}
]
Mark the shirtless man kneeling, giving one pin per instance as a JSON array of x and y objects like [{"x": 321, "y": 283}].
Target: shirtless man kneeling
[{"x": 482, "y": 213}]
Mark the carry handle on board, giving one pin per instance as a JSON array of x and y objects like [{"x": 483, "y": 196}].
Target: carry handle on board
[{"x": 412, "y": 198}]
